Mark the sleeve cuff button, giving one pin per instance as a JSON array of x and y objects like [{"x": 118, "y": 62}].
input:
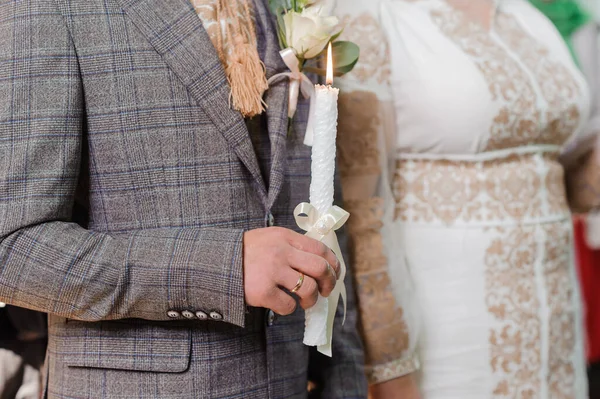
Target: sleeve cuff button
[
  {"x": 201, "y": 315},
  {"x": 173, "y": 314},
  {"x": 216, "y": 316},
  {"x": 187, "y": 314}
]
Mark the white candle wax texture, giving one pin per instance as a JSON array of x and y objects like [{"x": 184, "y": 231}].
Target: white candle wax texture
[
  {"x": 321, "y": 191},
  {"x": 323, "y": 150}
]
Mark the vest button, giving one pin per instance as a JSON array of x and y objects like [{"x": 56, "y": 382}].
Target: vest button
[
  {"x": 270, "y": 318},
  {"x": 270, "y": 220}
]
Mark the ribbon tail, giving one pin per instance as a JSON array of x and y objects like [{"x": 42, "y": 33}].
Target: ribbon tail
[
  {"x": 293, "y": 94},
  {"x": 320, "y": 318},
  {"x": 309, "y": 135},
  {"x": 293, "y": 91},
  {"x": 308, "y": 91},
  {"x": 339, "y": 291},
  {"x": 345, "y": 300},
  {"x": 298, "y": 82}
]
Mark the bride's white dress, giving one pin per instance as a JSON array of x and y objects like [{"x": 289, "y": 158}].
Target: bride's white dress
[{"x": 466, "y": 263}]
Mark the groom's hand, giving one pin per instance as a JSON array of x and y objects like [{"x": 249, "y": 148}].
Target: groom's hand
[{"x": 274, "y": 260}]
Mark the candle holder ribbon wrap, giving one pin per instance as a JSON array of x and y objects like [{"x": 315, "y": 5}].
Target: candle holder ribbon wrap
[
  {"x": 299, "y": 83},
  {"x": 319, "y": 319}
]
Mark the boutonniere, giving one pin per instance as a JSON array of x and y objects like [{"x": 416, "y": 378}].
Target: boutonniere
[{"x": 305, "y": 28}]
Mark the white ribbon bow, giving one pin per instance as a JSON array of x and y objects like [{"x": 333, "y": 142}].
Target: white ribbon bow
[
  {"x": 299, "y": 82},
  {"x": 322, "y": 228}
]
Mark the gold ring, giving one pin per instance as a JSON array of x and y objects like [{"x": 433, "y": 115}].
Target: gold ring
[{"x": 298, "y": 284}]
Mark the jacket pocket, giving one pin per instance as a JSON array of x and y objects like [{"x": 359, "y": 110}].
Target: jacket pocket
[{"x": 132, "y": 344}]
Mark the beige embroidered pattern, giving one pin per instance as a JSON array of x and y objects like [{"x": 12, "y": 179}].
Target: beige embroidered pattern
[
  {"x": 388, "y": 371},
  {"x": 519, "y": 119},
  {"x": 357, "y": 144},
  {"x": 512, "y": 299},
  {"x": 443, "y": 189},
  {"x": 556, "y": 83},
  {"x": 374, "y": 61},
  {"x": 508, "y": 189},
  {"x": 559, "y": 285},
  {"x": 385, "y": 332}
]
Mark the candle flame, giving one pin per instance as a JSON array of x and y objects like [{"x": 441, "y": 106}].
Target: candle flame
[{"x": 329, "y": 78}]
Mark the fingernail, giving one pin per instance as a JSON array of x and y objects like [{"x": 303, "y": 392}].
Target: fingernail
[{"x": 332, "y": 271}]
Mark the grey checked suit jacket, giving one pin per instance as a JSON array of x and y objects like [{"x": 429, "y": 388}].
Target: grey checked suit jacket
[{"x": 126, "y": 183}]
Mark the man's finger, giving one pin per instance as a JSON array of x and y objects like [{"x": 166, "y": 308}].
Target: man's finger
[
  {"x": 308, "y": 290},
  {"x": 310, "y": 245},
  {"x": 316, "y": 267},
  {"x": 282, "y": 303}
]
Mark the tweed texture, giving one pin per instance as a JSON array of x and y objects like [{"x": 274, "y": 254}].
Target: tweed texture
[{"x": 126, "y": 183}]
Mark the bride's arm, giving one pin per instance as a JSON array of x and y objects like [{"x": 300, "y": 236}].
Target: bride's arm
[
  {"x": 400, "y": 388},
  {"x": 582, "y": 160},
  {"x": 366, "y": 136},
  {"x": 386, "y": 325}
]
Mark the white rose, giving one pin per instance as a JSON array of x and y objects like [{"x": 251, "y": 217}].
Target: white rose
[{"x": 308, "y": 32}]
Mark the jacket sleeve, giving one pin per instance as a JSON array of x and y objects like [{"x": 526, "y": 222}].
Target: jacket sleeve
[{"x": 51, "y": 264}]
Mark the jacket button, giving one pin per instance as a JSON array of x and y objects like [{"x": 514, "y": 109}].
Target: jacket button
[
  {"x": 270, "y": 220},
  {"x": 173, "y": 314},
  {"x": 201, "y": 315},
  {"x": 216, "y": 316},
  {"x": 270, "y": 318},
  {"x": 187, "y": 314}
]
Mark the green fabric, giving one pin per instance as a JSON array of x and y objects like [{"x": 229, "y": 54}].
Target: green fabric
[{"x": 567, "y": 15}]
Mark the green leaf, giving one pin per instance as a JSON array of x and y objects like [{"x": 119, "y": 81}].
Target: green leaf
[
  {"x": 281, "y": 31},
  {"x": 345, "y": 56},
  {"x": 275, "y": 6},
  {"x": 345, "y": 53},
  {"x": 278, "y": 7}
]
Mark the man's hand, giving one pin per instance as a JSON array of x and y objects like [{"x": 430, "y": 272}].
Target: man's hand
[
  {"x": 400, "y": 388},
  {"x": 275, "y": 258}
]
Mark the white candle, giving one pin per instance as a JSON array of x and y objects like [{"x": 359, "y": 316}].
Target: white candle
[
  {"x": 322, "y": 185},
  {"x": 323, "y": 150}
]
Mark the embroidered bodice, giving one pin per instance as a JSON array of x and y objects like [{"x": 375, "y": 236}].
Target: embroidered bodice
[{"x": 462, "y": 87}]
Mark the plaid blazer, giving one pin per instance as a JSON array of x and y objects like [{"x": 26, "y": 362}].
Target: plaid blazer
[{"x": 126, "y": 183}]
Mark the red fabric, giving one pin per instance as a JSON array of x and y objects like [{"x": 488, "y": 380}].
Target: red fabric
[{"x": 589, "y": 273}]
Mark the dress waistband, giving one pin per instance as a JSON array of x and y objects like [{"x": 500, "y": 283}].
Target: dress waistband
[
  {"x": 483, "y": 156},
  {"x": 517, "y": 189}
]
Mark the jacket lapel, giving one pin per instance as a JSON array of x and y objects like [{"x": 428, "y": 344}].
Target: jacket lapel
[
  {"x": 276, "y": 97},
  {"x": 177, "y": 34}
]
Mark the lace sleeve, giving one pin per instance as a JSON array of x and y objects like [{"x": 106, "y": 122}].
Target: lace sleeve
[
  {"x": 366, "y": 135},
  {"x": 386, "y": 331}
]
